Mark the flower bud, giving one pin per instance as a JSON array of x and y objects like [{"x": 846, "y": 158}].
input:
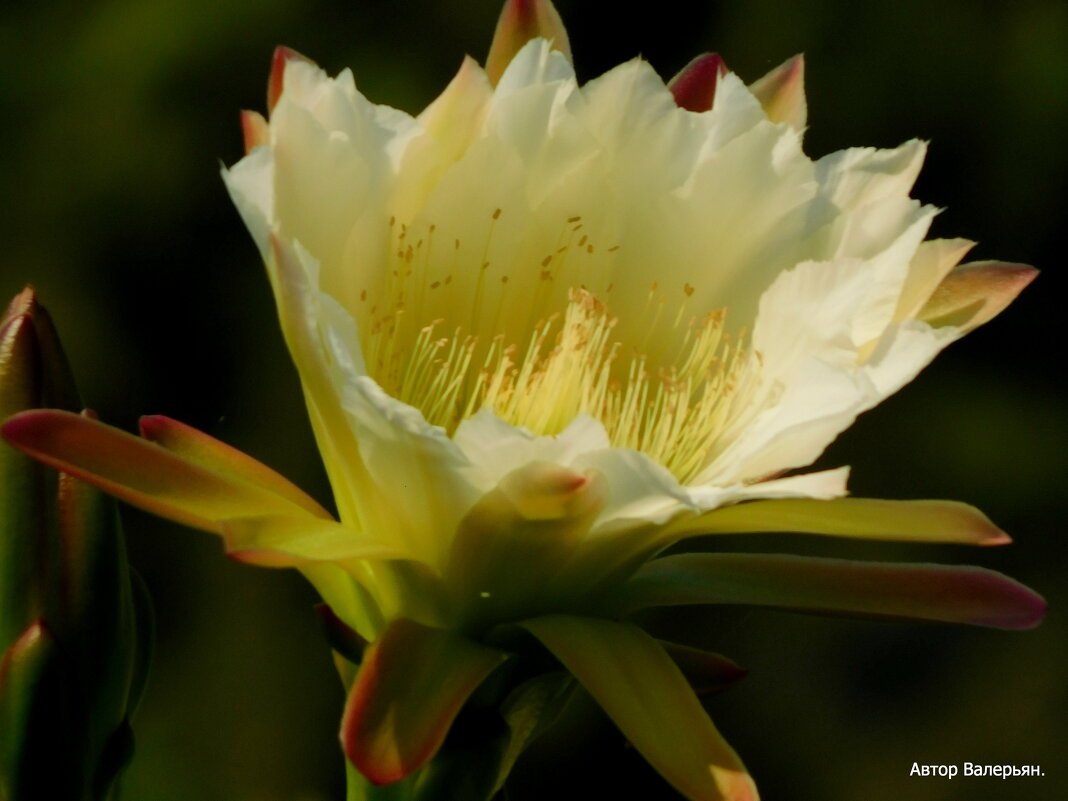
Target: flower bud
[{"x": 74, "y": 622}]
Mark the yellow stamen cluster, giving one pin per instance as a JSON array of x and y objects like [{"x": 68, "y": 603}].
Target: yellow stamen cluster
[{"x": 573, "y": 363}]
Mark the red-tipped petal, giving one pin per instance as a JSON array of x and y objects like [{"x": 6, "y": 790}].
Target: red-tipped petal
[
  {"x": 521, "y": 21},
  {"x": 276, "y": 83},
  {"x": 412, "y": 683},
  {"x": 941, "y": 593},
  {"x": 196, "y": 446},
  {"x": 694, "y": 88},
  {"x": 976, "y": 292}
]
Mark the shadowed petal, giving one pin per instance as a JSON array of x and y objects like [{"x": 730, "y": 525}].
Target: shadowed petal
[
  {"x": 943, "y": 593},
  {"x": 510, "y": 549},
  {"x": 647, "y": 696}
]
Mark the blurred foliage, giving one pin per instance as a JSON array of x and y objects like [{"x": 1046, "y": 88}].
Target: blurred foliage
[{"x": 117, "y": 113}]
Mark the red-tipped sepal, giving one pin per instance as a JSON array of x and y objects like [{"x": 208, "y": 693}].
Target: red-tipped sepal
[
  {"x": 411, "y": 685},
  {"x": 142, "y": 473},
  {"x": 694, "y": 88},
  {"x": 937, "y": 593},
  {"x": 521, "y": 21},
  {"x": 276, "y": 82},
  {"x": 782, "y": 93},
  {"x": 976, "y": 292},
  {"x": 255, "y": 130},
  {"x": 196, "y": 446}
]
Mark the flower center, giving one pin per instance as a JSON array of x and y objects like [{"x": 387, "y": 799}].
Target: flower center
[{"x": 677, "y": 405}]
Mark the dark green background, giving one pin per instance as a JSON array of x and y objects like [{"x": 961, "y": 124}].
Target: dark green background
[{"x": 115, "y": 116}]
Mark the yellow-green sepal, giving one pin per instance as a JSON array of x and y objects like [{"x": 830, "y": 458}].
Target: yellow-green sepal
[
  {"x": 643, "y": 691},
  {"x": 858, "y": 518},
  {"x": 781, "y": 92}
]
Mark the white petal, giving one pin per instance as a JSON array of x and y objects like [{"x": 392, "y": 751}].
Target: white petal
[
  {"x": 822, "y": 485},
  {"x": 859, "y": 176},
  {"x": 455, "y": 118},
  {"x": 322, "y": 184},
  {"x": 908, "y": 349},
  {"x": 415, "y": 475},
  {"x": 535, "y": 64},
  {"x": 380, "y": 453},
  {"x": 640, "y": 491},
  {"x": 494, "y": 448},
  {"x": 251, "y": 186}
]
